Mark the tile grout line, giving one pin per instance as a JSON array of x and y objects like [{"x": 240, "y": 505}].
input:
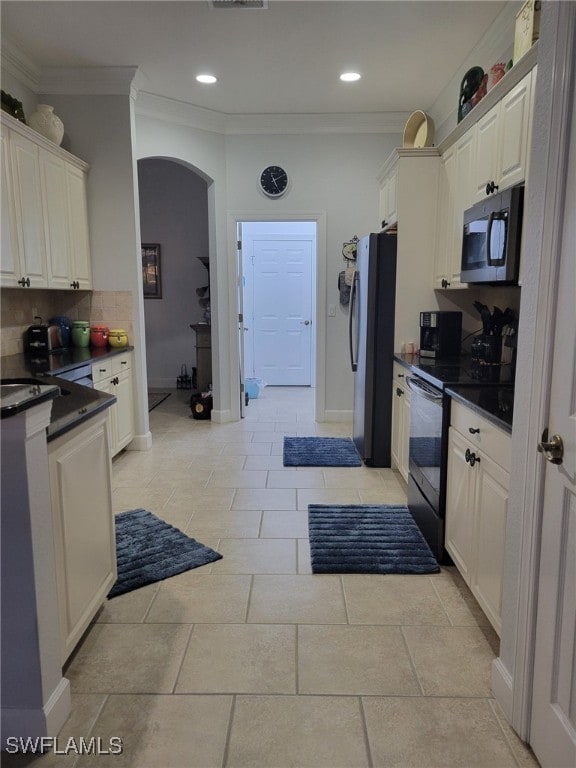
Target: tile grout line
[
  {"x": 173, "y": 691},
  {"x": 365, "y": 732},
  {"x": 93, "y": 726},
  {"x": 343, "y": 590},
  {"x": 438, "y": 595},
  {"x": 297, "y": 661},
  {"x": 503, "y": 731},
  {"x": 152, "y": 601},
  {"x": 249, "y": 601},
  {"x": 412, "y": 665},
  {"x": 229, "y": 732}
]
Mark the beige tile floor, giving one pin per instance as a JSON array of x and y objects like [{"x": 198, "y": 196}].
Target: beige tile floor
[{"x": 254, "y": 662}]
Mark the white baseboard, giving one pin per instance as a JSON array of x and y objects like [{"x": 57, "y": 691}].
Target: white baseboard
[
  {"x": 337, "y": 416},
  {"x": 221, "y": 417},
  {"x": 44, "y": 721},
  {"x": 141, "y": 443},
  {"x": 502, "y": 687}
]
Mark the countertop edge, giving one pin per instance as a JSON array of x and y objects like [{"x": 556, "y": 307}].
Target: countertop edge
[{"x": 461, "y": 398}]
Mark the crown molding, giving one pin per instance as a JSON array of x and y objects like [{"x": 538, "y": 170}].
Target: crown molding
[
  {"x": 19, "y": 65},
  {"x": 181, "y": 113},
  {"x": 325, "y": 123},
  {"x": 91, "y": 81}
]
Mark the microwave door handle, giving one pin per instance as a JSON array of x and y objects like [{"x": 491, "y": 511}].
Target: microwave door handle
[
  {"x": 353, "y": 363},
  {"x": 489, "y": 261}
]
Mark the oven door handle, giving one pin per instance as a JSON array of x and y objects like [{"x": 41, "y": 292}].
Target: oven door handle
[{"x": 418, "y": 387}]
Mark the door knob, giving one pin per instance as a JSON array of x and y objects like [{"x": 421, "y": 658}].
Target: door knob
[
  {"x": 306, "y": 322},
  {"x": 552, "y": 449}
]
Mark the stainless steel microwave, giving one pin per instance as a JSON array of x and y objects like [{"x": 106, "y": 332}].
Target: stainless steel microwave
[{"x": 492, "y": 238}]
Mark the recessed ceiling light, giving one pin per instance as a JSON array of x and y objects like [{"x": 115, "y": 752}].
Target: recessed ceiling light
[
  {"x": 206, "y": 79},
  {"x": 350, "y": 77}
]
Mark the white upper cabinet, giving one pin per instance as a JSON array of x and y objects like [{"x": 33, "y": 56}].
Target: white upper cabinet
[
  {"x": 454, "y": 196},
  {"x": 80, "y": 267},
  {"x": 490, "y": 155},
  {"x": 10, "y": 265},
  {"x": 389, "y": 198},
  {"x": 45, "y": 240},
  {"x": 502, "y": 141},
  {"x": 27, "y": 196}
]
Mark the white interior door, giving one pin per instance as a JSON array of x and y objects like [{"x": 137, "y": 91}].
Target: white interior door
[
  {"x": 553, "y": 723},
  {"x": 280, "y": 328}
]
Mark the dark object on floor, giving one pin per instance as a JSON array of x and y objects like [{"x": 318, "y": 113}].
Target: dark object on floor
[
  {"x": 367, "y": 538},
  {"x": 201, "y": 406},
  {"x": 155, "y": 398},
  {"x": 149, "y": 550},
  {"x": 320, "y": 452}
]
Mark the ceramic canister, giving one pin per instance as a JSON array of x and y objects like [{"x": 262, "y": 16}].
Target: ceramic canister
[
  {"x": 99, "y": 335},
  {"x": 117, "y": 337},
  {"x": 65, "y": 327},
  {"x": 81, "y": 333}
]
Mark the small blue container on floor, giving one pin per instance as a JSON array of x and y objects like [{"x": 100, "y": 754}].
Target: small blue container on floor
[{"x": 252, "y": 388}]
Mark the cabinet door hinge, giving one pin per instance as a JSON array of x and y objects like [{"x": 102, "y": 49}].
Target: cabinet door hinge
[
  {"x": 240, "y": 317},
  {"x": 239, "y": 244}
]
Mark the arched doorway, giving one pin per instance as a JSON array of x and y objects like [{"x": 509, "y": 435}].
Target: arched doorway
[{"x": 174, "y": 217}]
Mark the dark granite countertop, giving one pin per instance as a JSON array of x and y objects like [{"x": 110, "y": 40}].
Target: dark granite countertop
[
  {"x": 495, "y": 403},
  {"x": 19, "y": 396},
  {"x": 76, "y": 402},
  {"x": 58, "y": 361},
  {"x": 487, "y": 390}
]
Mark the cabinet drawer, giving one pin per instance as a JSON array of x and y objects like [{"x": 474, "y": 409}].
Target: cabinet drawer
[
  {"x": 121, "y": 363},
  {"x": 101, "y": 370},
  {"x": 399, "y": 373},
  {"x": 487, "y": 437}
]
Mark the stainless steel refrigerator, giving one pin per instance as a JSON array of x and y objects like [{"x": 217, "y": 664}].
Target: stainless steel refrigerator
[{"x": 371, "y": 340}]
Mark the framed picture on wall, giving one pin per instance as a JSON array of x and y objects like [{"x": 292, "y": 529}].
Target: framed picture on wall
[{"x": 151, "y": 274}]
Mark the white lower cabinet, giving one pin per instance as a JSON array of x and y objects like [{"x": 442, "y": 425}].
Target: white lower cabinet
[
  {"x": 84, "y": 538},
  {"x": 114, "y": 376},
  {"x": 476, "y": 505},
  {"x": 400, "y": 421}
]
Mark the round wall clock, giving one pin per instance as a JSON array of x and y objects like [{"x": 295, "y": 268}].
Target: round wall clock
[{"x": 274, "y": 181}]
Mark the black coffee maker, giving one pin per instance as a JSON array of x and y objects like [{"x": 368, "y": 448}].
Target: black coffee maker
[{"x": 440, "y": 334}]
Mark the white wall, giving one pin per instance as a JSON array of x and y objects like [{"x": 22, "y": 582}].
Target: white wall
[
  {"x": 335, "y": 174},
  {"x": 173, "y": 213}
]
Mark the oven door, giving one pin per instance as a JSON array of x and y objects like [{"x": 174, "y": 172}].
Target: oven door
[{"x": 425, "y": 444}]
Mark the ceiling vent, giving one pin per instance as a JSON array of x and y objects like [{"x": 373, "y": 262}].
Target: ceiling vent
[{"x": 258, "y": 5}]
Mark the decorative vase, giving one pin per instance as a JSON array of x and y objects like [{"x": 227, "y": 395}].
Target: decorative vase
[{"x": 46, "y": 123}]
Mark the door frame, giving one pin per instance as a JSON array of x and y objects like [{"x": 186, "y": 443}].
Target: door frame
[
  {"x": 234, "y": 218},
  {"x": 512, "y": 674}
]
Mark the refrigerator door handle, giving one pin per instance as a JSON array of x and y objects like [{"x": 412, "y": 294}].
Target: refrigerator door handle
[{"x": 353, "y": 363}]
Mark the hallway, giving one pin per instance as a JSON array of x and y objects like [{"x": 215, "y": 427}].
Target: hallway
[{"x": 252, "y": 661}]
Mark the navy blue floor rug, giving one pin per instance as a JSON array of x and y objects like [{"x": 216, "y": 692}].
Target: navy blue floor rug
[
  {"x": 320, "y": 452},
  {"x": 149, "y": 550},
  {"x": 367, "y": 538}
]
